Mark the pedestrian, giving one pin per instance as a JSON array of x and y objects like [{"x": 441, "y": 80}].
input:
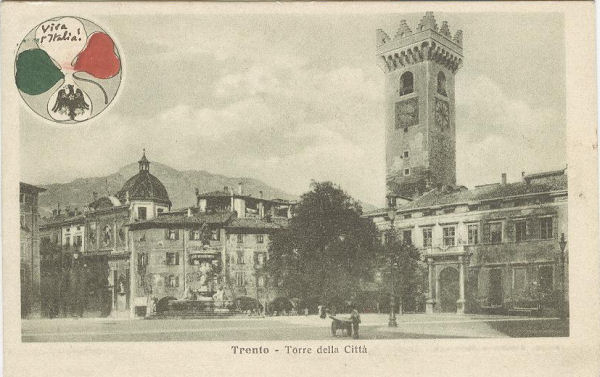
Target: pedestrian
[
  {"x": 305, "y": 311},
  {"x": 321, "y": 311},
  {"x": 355, "y": 317}
]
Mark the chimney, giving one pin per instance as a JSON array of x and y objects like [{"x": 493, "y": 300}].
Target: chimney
[
  {"x": 240, "y": 188},
  {"x": 95, "y": 195},
  {"x": 54, "y": 212},
  {"x": 197, "y": 191},
  {"x": 58, "y": 209},
  {"x": 189, "y": 212},
  {"x": 260, "y": 194},
  {"x": 503, "y": 178}
]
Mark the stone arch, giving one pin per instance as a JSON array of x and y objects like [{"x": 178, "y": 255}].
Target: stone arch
[
  {"x": 449, "y": 286},
  {"x": 441, "y": 83},
  {"x": 407, "y": 83}
]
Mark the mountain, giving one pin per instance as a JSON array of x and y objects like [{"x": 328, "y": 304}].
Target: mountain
[{"x": 180, "y": 185}]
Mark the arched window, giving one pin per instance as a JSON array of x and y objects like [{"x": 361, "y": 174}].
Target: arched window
[
  {"x": 406, "y": 83},
  {"x": 441, "y": 84}
]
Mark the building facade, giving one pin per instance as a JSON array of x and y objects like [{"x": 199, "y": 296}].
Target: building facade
[
  {"x": 494, "y": 248},
  {"x": 219, "y": 246},
  {"x": 30, "y": 250},
  {"x": 98, "y": 236},
  {"x": 130, "y": 248}
]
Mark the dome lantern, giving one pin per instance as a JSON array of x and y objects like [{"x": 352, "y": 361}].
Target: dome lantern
[{"x": 143, "y": 162}]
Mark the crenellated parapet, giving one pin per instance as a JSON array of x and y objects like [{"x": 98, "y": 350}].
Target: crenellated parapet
[{"x": 427, "y": 42}]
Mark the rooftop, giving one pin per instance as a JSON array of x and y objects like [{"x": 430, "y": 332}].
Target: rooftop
[
  {"x": 539, "y": 183},
  {"x": 61, "y": 219},
  {"x": 178, "y": 219},
  {"x": 228, "y": 192},
  {"x": 253, "y": 223}
]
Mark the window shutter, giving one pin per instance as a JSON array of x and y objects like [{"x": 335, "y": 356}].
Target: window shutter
[
  {"x": 166, "y": 234},
  {"x": 510, "y": 231},
  {"x": 535, "y": 228},
  {"x": 486, "y": 233},
  {"x": 177, "y": 258},
  {"x": 554, "y": 227},
  {"x": 529, "y": 228},
  {"x": 176, "y": 234},
  {"x": 191, "y": 234}
]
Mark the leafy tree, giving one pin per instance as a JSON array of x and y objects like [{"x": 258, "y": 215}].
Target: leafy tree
[
  {"x": 328, "y": 250},
  {"x": 401, "y": 267}
]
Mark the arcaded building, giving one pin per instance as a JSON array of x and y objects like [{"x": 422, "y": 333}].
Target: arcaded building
[{"x": 496, "y": 248}]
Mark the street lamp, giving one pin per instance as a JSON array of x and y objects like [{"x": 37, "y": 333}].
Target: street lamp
[
  {"x": 392, "y": 321},
  {"x": 563, "y": 244}
]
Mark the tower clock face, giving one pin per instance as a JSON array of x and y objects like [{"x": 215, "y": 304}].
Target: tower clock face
[
  {"x": 407, "y": 113},
  {"x": 442, "y": 114}
]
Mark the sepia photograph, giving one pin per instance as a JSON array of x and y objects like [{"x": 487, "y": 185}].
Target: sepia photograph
[
  {"x": 345, "y": 177},
  {"x": 217, "y": 190}
]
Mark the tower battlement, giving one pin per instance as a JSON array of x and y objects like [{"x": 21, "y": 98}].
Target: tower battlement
[{"x": 427, "y": 42}]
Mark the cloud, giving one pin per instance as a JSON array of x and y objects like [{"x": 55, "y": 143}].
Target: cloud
[
  {"x": 499, "y": 133},
  {"x": 287, "y": 99}
]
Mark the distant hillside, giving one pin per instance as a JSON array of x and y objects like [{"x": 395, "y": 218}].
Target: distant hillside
[{"x": 180, "y": 186}]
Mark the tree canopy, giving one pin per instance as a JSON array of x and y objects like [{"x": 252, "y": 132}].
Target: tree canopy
[
  {"x": 403, "y": 260},
  {"x": 328, "y": 251}
]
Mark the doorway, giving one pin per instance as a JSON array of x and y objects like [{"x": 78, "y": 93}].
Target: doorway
[{"x": 449, "y": 290}]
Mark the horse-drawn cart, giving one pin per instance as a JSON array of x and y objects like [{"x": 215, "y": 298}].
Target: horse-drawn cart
[{"x": 344, "y": 324}]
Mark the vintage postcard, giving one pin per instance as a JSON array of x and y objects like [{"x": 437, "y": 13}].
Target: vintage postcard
[{"x": 272, "y": 189}]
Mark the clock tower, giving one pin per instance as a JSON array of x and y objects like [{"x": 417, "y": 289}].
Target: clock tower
[{"x": 420, "y": 112}]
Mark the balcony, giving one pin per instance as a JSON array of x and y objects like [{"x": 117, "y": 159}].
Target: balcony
[{"x": 442, "y": 251}]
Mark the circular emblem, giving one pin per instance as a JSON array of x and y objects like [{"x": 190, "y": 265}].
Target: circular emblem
[{"x": 68, "y": 69}]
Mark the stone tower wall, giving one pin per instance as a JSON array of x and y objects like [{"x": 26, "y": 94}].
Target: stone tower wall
[{"x": 411, "y": 122}]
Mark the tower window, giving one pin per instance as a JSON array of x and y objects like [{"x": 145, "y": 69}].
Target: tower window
[
  {"x": 406, "y": 171},
  {"x": 441, "y": 84},
  {"x": 406, "y": 83},
  {"x": 405, "y": 154}
]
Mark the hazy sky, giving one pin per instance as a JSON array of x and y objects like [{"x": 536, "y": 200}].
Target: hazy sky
[{"x": 287, "y": 99}]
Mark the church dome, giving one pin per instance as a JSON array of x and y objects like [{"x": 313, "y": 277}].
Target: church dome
[{"x": 144, "y": 186}]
